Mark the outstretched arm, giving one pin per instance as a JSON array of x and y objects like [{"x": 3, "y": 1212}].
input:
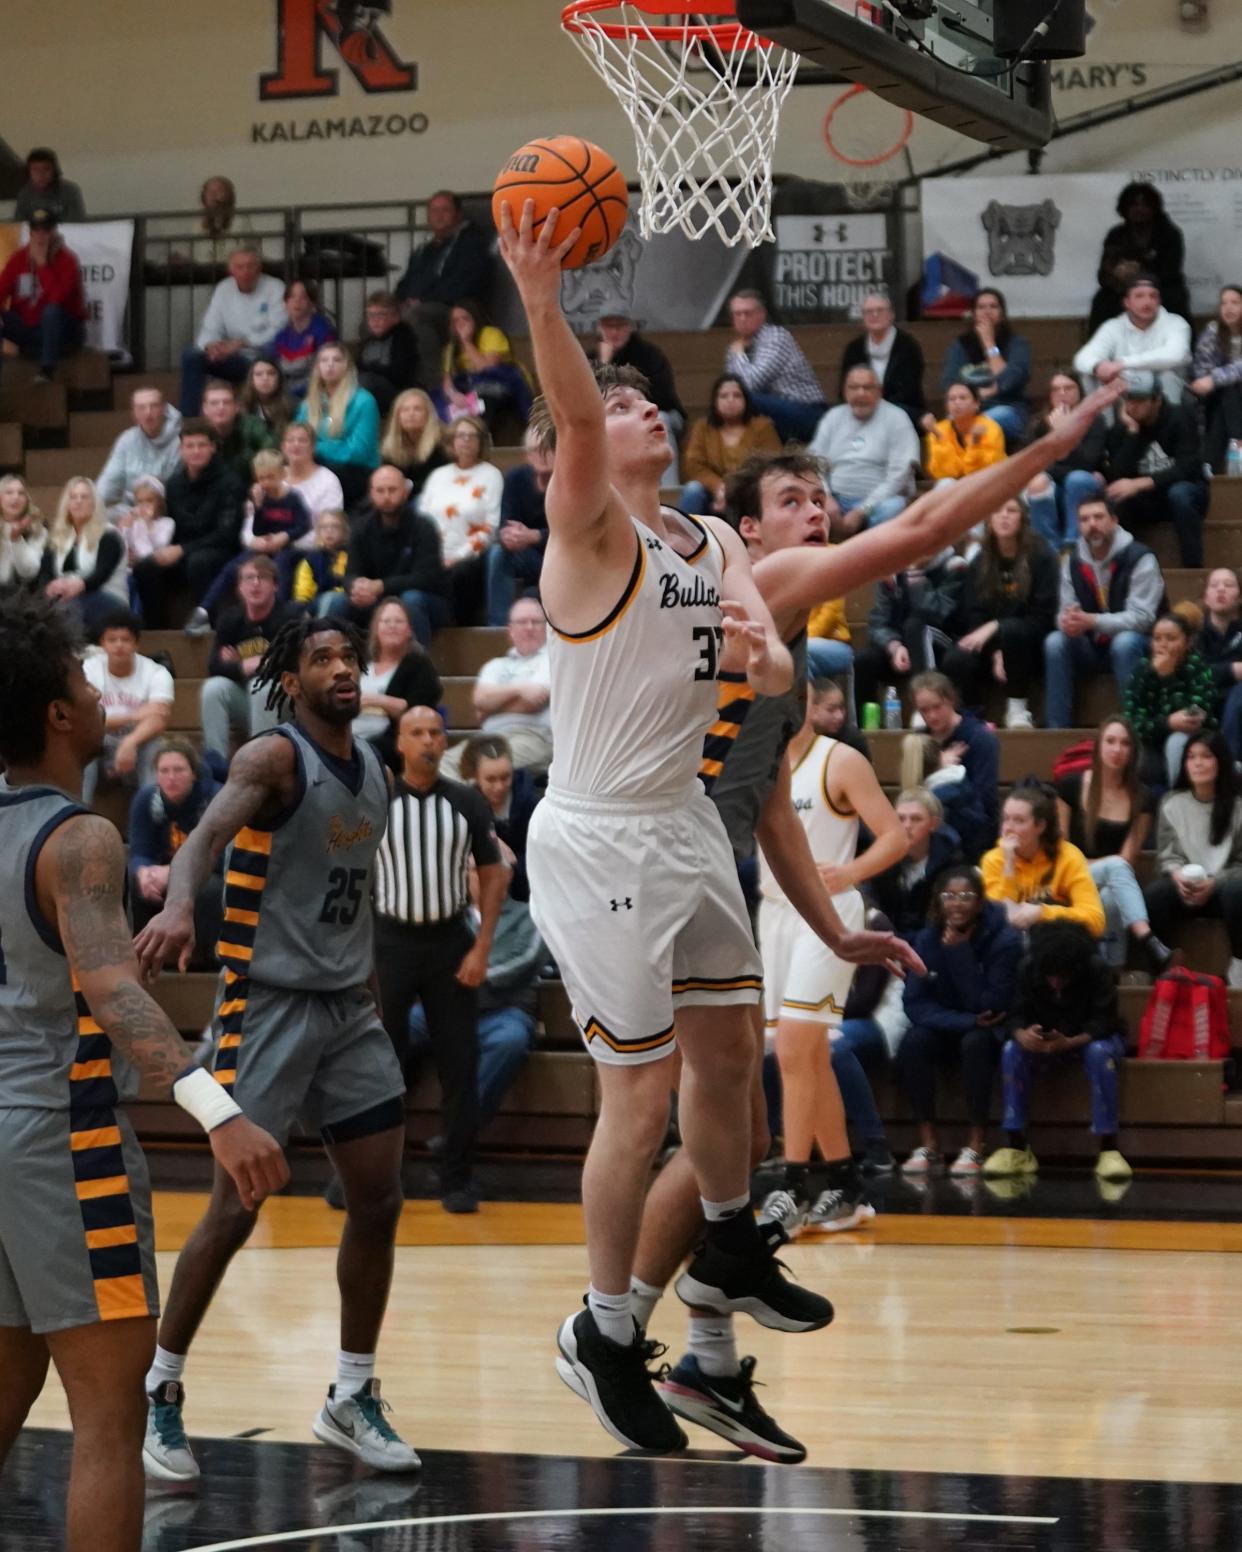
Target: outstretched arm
[
  {"x": 262, "y": 773},
  {"x": 580, "y": 500},
  {"x": 798, "y": 579},
  {"x": 80, "y": 881}
]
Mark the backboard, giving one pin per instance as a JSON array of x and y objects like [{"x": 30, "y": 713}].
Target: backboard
[{"x": 963, "y": 87}]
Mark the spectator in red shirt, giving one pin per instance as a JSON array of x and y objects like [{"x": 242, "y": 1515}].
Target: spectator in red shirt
[{"x": 42, "y": 304}]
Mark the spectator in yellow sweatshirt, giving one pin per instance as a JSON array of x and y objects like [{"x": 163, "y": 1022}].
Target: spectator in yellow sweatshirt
[
  {"x": 1036, "y": 875},
  {"x": 964, "y": 440}
]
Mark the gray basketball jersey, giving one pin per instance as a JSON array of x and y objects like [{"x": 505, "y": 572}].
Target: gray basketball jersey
[
  {"x": 297, "y": 893},
  {"x": 744, "y": 747},
  {"x": 53, "y": 1056}
]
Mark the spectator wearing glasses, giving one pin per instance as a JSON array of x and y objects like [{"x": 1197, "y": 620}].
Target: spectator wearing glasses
[
  {"x": 895, "y": 357},
  {"x": 771, "y": 363}
]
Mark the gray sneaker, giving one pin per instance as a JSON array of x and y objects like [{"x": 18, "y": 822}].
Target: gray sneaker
[
  {"x": 784, "y": 1208},
  {"x": 166, "y": 1452},
  {"x": 357, "y": 1425},
  {"x": 835, "y": 1211}
]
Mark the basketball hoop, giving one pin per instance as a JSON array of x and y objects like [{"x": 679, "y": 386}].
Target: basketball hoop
[
  {"x": 865, "y": 159},
  {"x": 704, "y": 97}
]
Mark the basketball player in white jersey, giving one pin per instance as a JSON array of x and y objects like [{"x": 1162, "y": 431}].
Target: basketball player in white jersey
[
  {"x": 633, "y": 883},
  {"x": 805, "y": 984}
]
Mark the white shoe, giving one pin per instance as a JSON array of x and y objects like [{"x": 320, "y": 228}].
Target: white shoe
[
  {"x": 923, "y": 1161},
  {"x": 1234, "y": 978},
  {"x": 836, "y": 1211},
  {"x": 785, "y": 1208},
  {"x": 166, "y": 1452},
  {"x": 968, "y": 1162},
  {"x": 1017, "y": 715},
  {"x": 357, "y": 1425}
]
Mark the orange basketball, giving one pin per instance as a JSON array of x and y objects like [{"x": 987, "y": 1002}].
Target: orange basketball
[{"x": 565, "y": 173}]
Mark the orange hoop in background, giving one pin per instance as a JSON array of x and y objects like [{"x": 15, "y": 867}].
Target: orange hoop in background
[
  {"x": 727, "y": 35},
  {"x": 902, "y": 141}
]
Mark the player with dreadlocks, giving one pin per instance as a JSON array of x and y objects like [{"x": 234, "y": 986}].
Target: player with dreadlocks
[{"x": 303, "y": 813}]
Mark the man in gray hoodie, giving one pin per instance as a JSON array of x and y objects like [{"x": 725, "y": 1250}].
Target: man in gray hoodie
[
  {"x": 150, "y": 446},
  {"x": 1112, "y": 588}
]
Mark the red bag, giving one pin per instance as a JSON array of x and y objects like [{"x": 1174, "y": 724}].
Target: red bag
[
  {"x": 1074, "y": 759},
  {"x": 1186, "y": 1019}
]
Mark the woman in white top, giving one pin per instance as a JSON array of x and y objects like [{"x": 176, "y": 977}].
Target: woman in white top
[
  {"x": 85, "y": 566},
  {"x": 463, "y": 499},
  {"x": 23, "y": 537},
  {"x": 399, "y": 674},
  {"x": 317, "y": 486},
  {"x": 1199, "y": 836}
]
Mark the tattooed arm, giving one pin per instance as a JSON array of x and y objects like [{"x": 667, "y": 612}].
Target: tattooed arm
[
  {"x": 262, "y": 778},
  {"x": 80, "y": 884}
]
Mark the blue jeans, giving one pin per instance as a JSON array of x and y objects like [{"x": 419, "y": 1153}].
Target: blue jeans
[
  {"x": 428, "y": 612},
  {"x": 504, "y": 570},
  {"x": 1122, "y": 898},
  {"x": 196, "y": 369},
  {"x": 1054, "y": 514},
  {"x": 860, "y": 1044},
  {"x": 56, "y": 335},
  {"x": 828, "y": 659},
  {"x": 696, "y": 499},
  {"x": 1011, "y": 418},
  {"x": 1067, "y": 657},
  {"x": 794, "y": 420},
  {"x": 1101, "y": 1058},
  {"x": 884, "y": 510},
  {"x": 505, "y": 1038}
]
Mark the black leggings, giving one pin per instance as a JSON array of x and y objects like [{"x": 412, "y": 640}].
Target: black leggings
[
  {"x": 923, "y": 1050},
  {"x": 1020, "y": 642},
  {"x": 1166, "y": 907}
]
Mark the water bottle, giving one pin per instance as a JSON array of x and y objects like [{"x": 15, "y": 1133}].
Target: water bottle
[
  {"x": 892, "y": 708},
  {"x": 1233, "y": 459}
]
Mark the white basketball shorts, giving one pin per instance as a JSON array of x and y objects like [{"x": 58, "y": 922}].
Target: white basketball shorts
[{"x": 802, "y": 978}]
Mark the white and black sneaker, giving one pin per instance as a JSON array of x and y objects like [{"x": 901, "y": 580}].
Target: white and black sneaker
[
  {"x": 357, "y": 1425},
  {"x": 836, "y": 1211},
  {"x": 198, "y": 624},
  {"x": 786, "y": 1208},
  {"x": 752, "y": 1284},
  {"x": 727, "y": 1406},
  {"x": 166, "y": 1452},
  {"x": 615, "y": 1382}
]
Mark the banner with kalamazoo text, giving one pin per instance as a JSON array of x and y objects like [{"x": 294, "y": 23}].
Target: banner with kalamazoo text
[
  {"x": 1038, "y": 239},
  {"x": 103, "y": 249}
]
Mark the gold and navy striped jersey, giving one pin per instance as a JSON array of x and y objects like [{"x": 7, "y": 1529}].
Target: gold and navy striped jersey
[
  {"x": 297, "y": 892},
  {"x": 632, "y": 698},
  {"x": 744, "y": 747}
]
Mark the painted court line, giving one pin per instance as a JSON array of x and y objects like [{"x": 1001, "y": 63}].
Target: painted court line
[{"x": 613, "y": 1513}]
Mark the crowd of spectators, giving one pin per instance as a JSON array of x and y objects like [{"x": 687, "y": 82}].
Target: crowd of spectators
[{"x": 304, "y": 472}]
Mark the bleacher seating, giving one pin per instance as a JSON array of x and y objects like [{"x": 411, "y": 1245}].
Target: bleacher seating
[{"x": 1169, "y": 1111}]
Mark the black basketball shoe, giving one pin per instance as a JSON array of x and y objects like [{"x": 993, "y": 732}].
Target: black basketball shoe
[
  {"x": 617, "y": 1385},
  {"x": 728, "y": 1407},
  {"x": 752, "y": 1284}
]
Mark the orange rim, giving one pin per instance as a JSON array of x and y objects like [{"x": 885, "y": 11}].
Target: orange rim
[
  {"x": 865, "y": 161},
  {"x": 729, "y": 36}
]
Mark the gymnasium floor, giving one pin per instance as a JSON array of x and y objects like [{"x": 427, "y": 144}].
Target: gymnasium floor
[{"x": 997, "y": 1381}]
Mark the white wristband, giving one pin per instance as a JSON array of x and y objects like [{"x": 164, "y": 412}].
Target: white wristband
[{"x": 198, "y": 1093}]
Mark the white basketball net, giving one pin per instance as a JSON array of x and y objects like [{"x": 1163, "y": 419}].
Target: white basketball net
[{"x": 705, "y": 133}]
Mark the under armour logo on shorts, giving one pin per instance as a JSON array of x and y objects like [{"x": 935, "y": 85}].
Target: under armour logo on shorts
[{"x": 622, "y": 905}]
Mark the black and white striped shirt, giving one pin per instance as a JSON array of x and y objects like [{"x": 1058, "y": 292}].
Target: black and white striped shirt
[{"x": 421, "y": 866}]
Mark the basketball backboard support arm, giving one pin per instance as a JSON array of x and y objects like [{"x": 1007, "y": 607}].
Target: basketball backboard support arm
[{"x": 897, "y": 71}]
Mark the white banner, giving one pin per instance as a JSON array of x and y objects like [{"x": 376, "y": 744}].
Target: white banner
[
  {"x": 1038, "y": 239},
  {"x": 103, "y": 249}
]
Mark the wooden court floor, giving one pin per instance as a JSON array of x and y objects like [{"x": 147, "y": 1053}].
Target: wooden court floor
[{"x": 1036, "y": 1348}]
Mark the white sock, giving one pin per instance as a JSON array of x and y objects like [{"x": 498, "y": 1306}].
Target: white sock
[
  {"x": 1015, "y": 703},
  {"x": 353, "y": 1370},
  {"x": 614, "y": 1314},
  {"x": 167, "y": 1366},
  {"x": 715, "y": 1211},
  {"x": 643, "y": 1299},
  {"x": 712, "y": 1343}
]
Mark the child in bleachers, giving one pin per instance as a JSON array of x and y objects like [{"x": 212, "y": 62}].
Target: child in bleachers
[
  {"x": 274, "y": 524},
  {"x": 146, "y": 525},
  {"x": 320, "y": 572}
]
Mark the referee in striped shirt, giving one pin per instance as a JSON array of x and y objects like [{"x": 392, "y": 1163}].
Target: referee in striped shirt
[{"x": 425, "y": 947}]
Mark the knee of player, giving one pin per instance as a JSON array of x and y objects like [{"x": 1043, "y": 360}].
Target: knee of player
[{"x": 376, "y": 1211}]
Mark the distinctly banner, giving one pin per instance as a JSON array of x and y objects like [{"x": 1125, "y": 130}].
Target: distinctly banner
[
  {"x": 103, "y": 249},
  {"x": 1038, "y": 239}
]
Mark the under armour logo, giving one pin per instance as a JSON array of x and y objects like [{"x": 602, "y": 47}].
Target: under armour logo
[
  {"x": 622, "y": 905},
  {"x": 821, "y": 232}
]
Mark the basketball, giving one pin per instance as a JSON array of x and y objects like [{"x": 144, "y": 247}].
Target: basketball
[{"x": 566, "y": 173}]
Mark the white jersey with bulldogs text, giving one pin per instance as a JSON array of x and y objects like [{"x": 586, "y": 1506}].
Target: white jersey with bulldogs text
[
  {"x": 802, "y": 978},
  {"x": 633, "y": 884},
  {"x": 632, "y": 697}
]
